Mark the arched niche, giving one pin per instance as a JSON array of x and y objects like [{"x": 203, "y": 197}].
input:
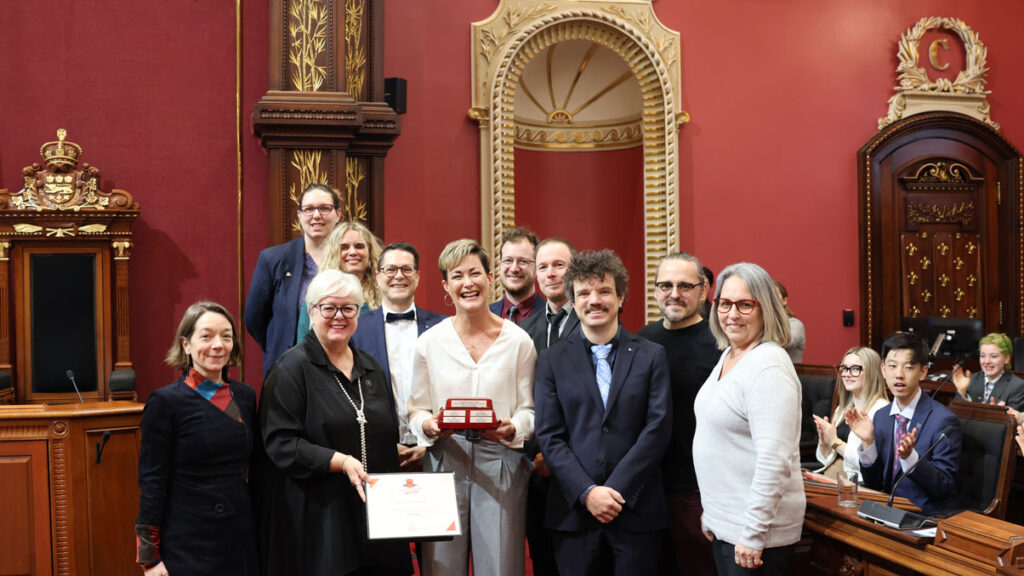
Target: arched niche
[{"x": 504, "y": 44}]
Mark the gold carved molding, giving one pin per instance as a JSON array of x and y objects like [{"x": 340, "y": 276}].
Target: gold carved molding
[
  {"x": 917, "y": 92},
  {"x": 919, "y": 212},
  {"x": 355, "y": 52},
  {"x": 505, "y": 42},
  {"x": 307, "y": 44}
]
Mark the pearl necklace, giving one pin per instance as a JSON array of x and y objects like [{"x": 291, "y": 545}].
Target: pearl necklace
[{"x": 360, "y": 416}]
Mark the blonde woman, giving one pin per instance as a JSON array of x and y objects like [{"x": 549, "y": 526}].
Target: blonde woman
[
  {"x": 860, "y": 383},
  {"x": 354, "y": 249}
]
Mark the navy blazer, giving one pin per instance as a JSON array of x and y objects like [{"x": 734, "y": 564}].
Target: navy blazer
[
  {"x": 272, "y": 308},
  {"x": 1009, "y": 389},
  {"x": 369, "y": 335},
  {"x": 932, "y": 486},
  {"x": 538, "y": 306},
  {"x": 536, "y": 325},
  {"x": 619, "y": 446}
]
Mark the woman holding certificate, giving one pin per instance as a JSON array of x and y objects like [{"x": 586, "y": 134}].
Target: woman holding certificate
[
  {"x": 327, "y": 421},
  {"x": 476, "y": 354}
]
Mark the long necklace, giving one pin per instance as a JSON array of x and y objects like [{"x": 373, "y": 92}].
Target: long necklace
[{"x": 360, "y": 416}]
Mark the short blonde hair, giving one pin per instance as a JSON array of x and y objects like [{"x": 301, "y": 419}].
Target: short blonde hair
[
  {"x": 332, "y": 258},
  {"x": 457, "y": 250},
  {"x": 762, "y": 288},
  {"x": 176, "y": 356},
  {"x": 333, "y": 282}
]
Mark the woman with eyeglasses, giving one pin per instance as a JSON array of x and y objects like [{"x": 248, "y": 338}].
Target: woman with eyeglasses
[
  {"x": 283, "y": 273},
  {"x": 327, "y": 421},
  {"x": 861, "y": 385},
  {"x": 746, "y": 447},
  {"x": 476, "y": 354},
  {"x": 354, "y": 249}
]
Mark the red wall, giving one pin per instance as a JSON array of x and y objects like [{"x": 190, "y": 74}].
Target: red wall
[
  {"x": 782, "y": 95},
  {"x": 595, "y": 199}
]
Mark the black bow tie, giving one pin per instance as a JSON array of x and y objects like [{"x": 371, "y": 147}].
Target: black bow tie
[{"x": 392, "y": 317}]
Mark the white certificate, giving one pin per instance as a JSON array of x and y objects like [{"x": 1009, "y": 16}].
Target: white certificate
[{"x": 413, "y": 506}]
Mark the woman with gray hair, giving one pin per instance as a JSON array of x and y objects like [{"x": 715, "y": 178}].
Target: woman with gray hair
[
  {"x": 746, "y": 447},
  {"x": 327, "y": 420}
]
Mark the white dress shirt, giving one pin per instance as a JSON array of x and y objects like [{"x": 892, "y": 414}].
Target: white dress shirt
[
  {"x": 444, "y": 369},
  {"x": 400, "y": 340},
  {"x": 869, "y": 455}
]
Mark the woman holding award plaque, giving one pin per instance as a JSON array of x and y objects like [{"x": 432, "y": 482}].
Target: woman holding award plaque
[
  {"x": 327, "y": 421},
  {"x": 476, "y": 355}
]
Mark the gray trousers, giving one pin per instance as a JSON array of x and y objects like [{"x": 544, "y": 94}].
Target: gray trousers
[{"x": 490, "y": 486}]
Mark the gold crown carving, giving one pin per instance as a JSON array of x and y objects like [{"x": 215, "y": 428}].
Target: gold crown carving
[{"x": 61, "y": 153}]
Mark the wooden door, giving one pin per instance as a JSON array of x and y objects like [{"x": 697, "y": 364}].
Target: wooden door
[{"x": 940, "y": 225}]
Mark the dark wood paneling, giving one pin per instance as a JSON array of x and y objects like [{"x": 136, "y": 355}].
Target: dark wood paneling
[{"x": 25, "y": 507}]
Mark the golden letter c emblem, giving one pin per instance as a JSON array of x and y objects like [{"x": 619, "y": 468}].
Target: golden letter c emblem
[{"x": 933, "y": 53}]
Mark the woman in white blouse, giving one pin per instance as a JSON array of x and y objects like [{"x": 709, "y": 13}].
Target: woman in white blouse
[
  {"x": 860, "y": 383},
  {"x": 476, "y": 354}
]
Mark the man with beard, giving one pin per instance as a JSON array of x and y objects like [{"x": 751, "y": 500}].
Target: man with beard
[
  {"x": 518, "y": 276},
  {"x": 681, "y": 291},
  {"x": 557, "y": 321},
  {"x": 603, "y": 420}
]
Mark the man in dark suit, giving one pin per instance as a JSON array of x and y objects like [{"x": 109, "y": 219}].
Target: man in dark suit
[
  {"x": 603, "y": 419},
  {"x": 680, "y": 289},
  {"x": 518, "y": 276},
  {"x": 558, "y": 320},
  {"x": 913, "y": 419},
  {"x": 389, "y": 334}
]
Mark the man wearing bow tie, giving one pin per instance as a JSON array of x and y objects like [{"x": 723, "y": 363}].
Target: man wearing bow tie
[
  {"x": 389, "y": 334},
  {"x": 603, "y": 419}
]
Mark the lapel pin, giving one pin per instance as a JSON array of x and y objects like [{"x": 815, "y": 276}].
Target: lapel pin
[{"x": 287, "y": 274}]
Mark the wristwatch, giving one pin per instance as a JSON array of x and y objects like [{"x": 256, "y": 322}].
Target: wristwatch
[{"x": 837, "y": 444}]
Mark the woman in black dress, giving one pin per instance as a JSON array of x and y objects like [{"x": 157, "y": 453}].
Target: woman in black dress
[
  {"x": 195, "y": 516},
  {"x": 327, "y": 420}
]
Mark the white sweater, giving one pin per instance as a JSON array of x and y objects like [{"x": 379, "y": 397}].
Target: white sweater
[{"x": 746, "y": 450}]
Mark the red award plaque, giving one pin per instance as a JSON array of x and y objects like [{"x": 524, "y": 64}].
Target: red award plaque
[{"x": 467, "y": 414}]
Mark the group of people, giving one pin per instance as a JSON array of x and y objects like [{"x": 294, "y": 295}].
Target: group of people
[{"x": 674, "y": 450}]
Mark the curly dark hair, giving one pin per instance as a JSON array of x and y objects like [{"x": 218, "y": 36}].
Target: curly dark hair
[{"x": 594, "y": 265}]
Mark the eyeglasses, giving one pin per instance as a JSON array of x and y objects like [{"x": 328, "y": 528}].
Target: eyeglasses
[
  {"x": 330, "y": 310},
  {"x": 323, "y": 209},
  {"x": 392, "y": 271},
  {"x": 683, "y": 287},
  {"x": 851, "y": 370},
  {"x": 522, "y": 262},
  {"x": 744, "y": 306}
]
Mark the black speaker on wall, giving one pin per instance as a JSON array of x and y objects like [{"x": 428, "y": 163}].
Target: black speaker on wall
[{"x": 394, "y": 93}]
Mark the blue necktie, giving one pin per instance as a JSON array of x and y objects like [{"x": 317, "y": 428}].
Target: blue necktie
[
  {"x": 392, "y": 317},
  {"x": 603, "y": 370}
]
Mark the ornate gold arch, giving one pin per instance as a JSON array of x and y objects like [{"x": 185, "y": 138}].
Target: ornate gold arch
[{"x": 518, "y": 30}]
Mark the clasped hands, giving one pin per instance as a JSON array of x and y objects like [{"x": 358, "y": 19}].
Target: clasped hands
[{"x": 604, "y": 503}]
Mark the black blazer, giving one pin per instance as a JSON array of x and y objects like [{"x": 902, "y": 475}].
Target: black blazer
[
  {"x": 619, "y": 446},
  {"x": 1009, "y": 389},
  {"x": 537, "y": 326},
  {"x": 193, "y": 470}
]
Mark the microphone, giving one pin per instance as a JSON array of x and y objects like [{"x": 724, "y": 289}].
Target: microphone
[
  {"x": 894, "y": 517},
  {"x": 100, "y": 447},
  {"x": 945, "y": 433},
  {"x": 71, "y": 376},
  {"x": 947, "y": 377}
]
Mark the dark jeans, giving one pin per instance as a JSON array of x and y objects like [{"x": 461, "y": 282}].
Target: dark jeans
[
  {"x": 776, "y": 560},
  {"x": 685, "y": 550}
]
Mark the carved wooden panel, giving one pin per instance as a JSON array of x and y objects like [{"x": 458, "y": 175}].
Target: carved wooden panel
[
  {"x": 324, "y": 119},
  {"x": 24, "y": 500},
  {"x": 940, "y": 225}
]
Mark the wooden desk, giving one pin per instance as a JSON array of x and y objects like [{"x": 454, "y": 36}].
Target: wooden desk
[
  {"x": 62, "y": 512},
  {"x": 837, "y": 541}
]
